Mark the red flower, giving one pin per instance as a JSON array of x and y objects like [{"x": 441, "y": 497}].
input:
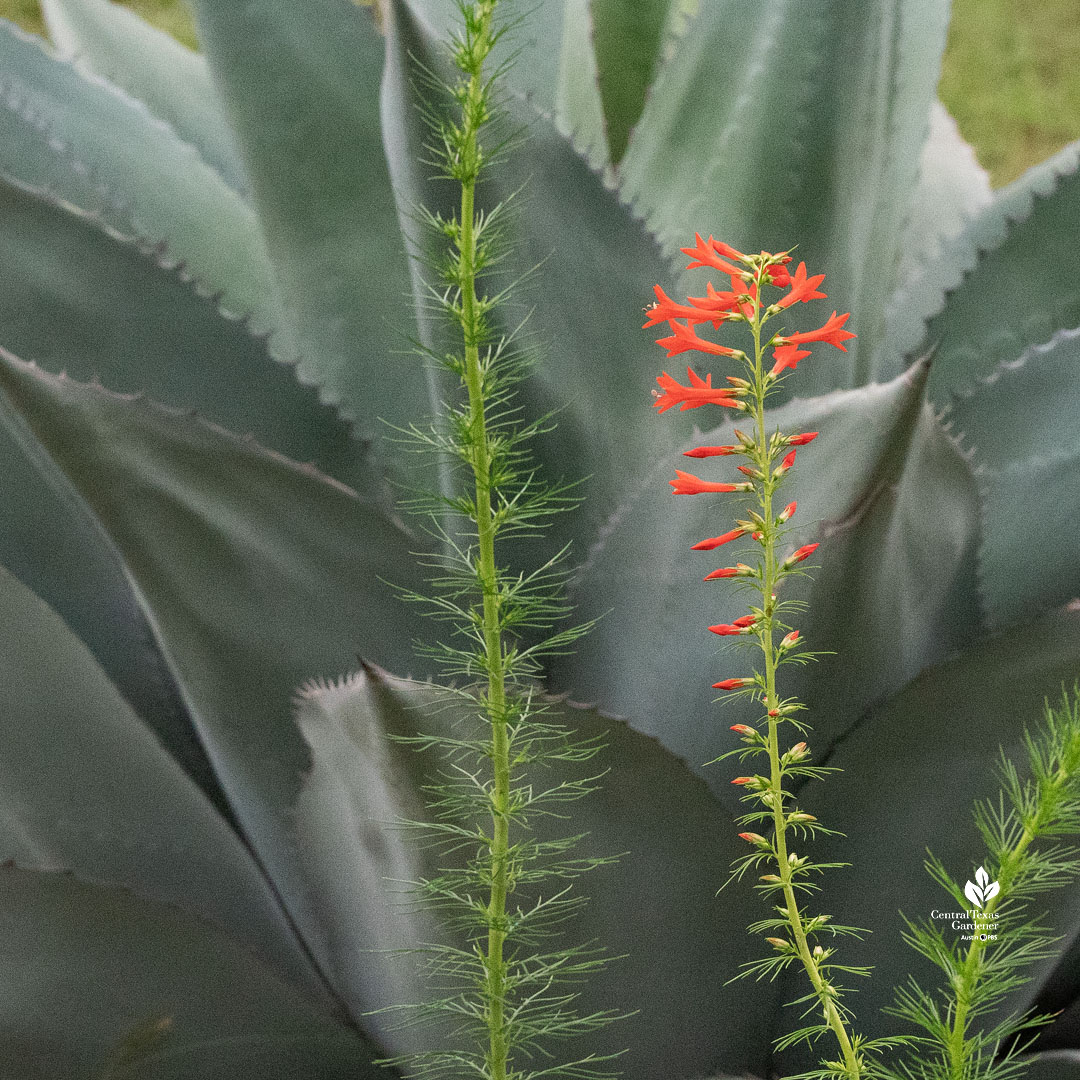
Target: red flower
[
  {"x": 832, "y": 333},
  {"x": 803, "y": 553},
  {"x": 745, "y": 620},
  {"x": 667, "y": 310},
  {"x": 716, "y": 541},
  {"x": 718, "y": 301},
  {"x": 739, "y": 570},
  {"x": 743, "y": 729},
  {"x": 787, "y": 512},
  {"x": 787, "y": 356},
  {"x": 727, "y": 629},
  {"x": 802, "y": 288},
  {"x": 699, "y": 392},
  {"x": 688, "y": 484},
  {"x": 712, "y": 451},
  {"x": 683, "y": 339},
  {"x": 753, "y": 838},
  {"x": 790, "y": 640},
  {"x": 802, "y": 440},
  {"x": 732, "y": 684},
  {"x": 705, "y": 253}
]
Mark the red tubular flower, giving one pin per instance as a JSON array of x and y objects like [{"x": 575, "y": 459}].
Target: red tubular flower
[
  {"x": 699, "y": 392},
  {"x": 745, "y": 620},
  {"x": 802, "y": 288},
  {"x": 716, "y": 541},
  {"x": 743, "y": 729},
  {"x": 741, "y": 779},
  {"x": 803, "y": 553},
  {"x": 667, "y": 310},
  {"x": 727, "y": 629},
  {"x": 732, "y": 684},
  {"x": 832, "y": 333},
  {"x": 688, "y": 484},
  {"x": 787, "y": 512},
  {"x": 712, "y": 451},
  {"x": 718, "y": 302},
  {"x": 787, "y": 356},
  {"x": 802, "y": 440},
  {"x": 706, "y": 252},
  {"x": 683, "y": 339},
  {"x": 779, "y": 274}
]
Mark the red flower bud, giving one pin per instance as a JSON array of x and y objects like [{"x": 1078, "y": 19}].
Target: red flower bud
[
  {"x": 785, "y": 464},
  {"x": 738, "y": 570},
  {"x": 790, "y": 640},
  {"x": 787, "y": 513},
  {"x": 732, "y": 684},
  {"x": 745, "y": 620},
  {"x": 803, "y": 553},
  {"x": 802, "y": 440},
  {"x": 711, "y": 451},
  {"x": 743, "y": 729},
  {"x": 743, "y": 780},
  {"x": 688, "y": 484},
  {"x": 716, "y": 541},
  {"x": 753, "y": 838},
  {"x": 727, "y": 629}
]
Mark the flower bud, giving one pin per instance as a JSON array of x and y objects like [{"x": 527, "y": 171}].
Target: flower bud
[
  {"x": 732, "y": 684},
  {"x": 779, "y": 943},
  {"x": 753, "y": 838},
  {"x": 743, "y": 729},
  {"x": 747, "y": 781},
  {"x": 744, "y": 439},
  {"x": 710, "y": 451},
  {"x": 716, "y": 541},
  {"x": 799, "y": 818},
  {"x": 769, "y": 877},
  {"x": 728, "y": 629},
  {"x": 802, "y": 440},
  {"x": 797, "y": 752},
  {"x": 786, "y": 513},
  {"x": 790, "y": 640},
  {"x": 797, "y": 557},
  {"x": 785, "y": 464}
]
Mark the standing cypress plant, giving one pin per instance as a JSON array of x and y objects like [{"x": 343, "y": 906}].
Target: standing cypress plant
[{"x": 507, "y": 983}]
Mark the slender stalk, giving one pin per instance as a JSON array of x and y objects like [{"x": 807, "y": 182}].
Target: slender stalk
[
  {"x": 495, "y": 964},
  {"x": 766, "y": 639}
]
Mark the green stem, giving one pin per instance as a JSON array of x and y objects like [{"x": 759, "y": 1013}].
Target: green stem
[
  {"x": 495, "y": 963},
  {"x": 770, "y": 580}
]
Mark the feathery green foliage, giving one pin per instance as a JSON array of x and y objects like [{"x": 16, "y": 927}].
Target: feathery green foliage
[
  {"x": 967, "y": 1038},
  {"x": 508, "y": 982}
]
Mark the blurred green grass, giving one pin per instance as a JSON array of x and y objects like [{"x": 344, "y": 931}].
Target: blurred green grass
[{"x": 1011, "y": 75}]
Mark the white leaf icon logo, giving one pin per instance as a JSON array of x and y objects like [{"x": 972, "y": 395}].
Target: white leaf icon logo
[{"x": 982, "y": 890}]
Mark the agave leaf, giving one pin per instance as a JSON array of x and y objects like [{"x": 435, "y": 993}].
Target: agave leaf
[
  {"x": 255, "y": 573},
  {"x": 656, "y": 905},
  {"x": 1020, "y": 422},
  {"x": 796, "y": 123},
  {"x": 953, "y": 187},
  {"x": 300, "y": 84},
  {"x": 85, "y": 786},
  {"x": 102, "y": 985},
  {"x": 81, "y": 298},
  {"x": 96, "y": 147},
  {"x": 627, "y": 41},
  {"x": 1053, "y": 1065},
  {"x": 990, "y": 296},
  {"x": 151, "y": 66},
  {"x": 893, "y": 592},
  {"x": 914, "y": 767}
]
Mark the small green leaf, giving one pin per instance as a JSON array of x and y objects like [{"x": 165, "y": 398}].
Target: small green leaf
[
  {"x": 90, "y": 972},
  {"x": 656, "y": 908}
]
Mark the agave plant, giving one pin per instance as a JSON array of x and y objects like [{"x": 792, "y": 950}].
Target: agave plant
[{"x": 206, "y": 316}]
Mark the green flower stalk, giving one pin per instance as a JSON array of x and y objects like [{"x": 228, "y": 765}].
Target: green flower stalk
[
  {"x": 507, "y": 978},
  {"x": 768, "y": 456},
  {"x": 1022, "y": 831}
]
